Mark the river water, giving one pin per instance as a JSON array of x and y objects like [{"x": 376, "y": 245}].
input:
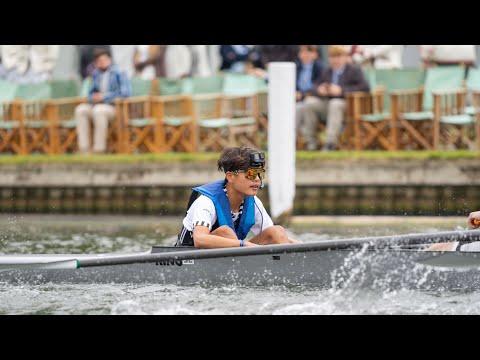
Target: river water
[{"x": 105, "y": 234}]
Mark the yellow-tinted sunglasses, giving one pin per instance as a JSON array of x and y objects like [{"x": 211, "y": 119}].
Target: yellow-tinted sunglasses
[{"x": 252, "y": 174}]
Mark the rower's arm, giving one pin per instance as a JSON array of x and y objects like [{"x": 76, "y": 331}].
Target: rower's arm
[{"x": 203, "y": 239}]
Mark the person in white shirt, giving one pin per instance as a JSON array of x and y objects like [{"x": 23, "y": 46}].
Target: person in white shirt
[
  {"x": 379, "y": 56},
  {"x": 123, "y": 54},
  {"x": 144, "y": 69},
  {"x": 16, "y": 58},
  {"x": 29, "y": 63},
  {"x": 223, "y": 214},
  {"x": 448, "y": 55},
  {"x": 178, "y": 61},
  {"x": 202, "y": 65}
]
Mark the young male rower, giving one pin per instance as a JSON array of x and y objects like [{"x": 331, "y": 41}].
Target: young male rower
[
  {"x": 223, "y": 213},
  {"x": 474, "y": 223}
]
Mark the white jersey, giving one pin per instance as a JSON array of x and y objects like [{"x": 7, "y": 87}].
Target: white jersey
[
  {"x": 203, "y": 213},
  {"x": 471, "y": 247}
]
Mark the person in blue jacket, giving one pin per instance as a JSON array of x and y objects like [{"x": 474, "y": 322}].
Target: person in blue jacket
[{"x": 222, "y": 214}]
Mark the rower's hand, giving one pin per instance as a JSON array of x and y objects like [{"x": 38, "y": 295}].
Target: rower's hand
[
  {"x": 474, "y": 220},
  {"x": 250, "y": 244}
]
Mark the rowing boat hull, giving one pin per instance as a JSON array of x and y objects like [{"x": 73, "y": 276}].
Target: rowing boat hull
[{"x": 390, "y": 269}]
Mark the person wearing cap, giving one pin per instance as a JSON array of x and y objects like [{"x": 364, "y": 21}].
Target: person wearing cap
[
  {"x": 222, "y": 214},
  {"x": 328, "y": 103}
]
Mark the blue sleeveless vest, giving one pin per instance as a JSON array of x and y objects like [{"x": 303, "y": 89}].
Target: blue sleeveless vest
[{"x": 214, "y": 192}]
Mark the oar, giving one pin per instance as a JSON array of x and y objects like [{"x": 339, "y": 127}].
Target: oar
[{"x": 376, "y": 242}]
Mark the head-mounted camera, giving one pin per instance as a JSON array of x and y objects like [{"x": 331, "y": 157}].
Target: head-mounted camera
[{"x": 257, "y": 160}]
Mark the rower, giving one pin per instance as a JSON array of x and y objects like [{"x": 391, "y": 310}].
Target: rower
[
  {"x": 223, "y": 213},
  {"x": 474, "y": 223}
]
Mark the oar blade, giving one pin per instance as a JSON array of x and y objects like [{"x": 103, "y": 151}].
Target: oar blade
[{"x": 54, "y": 265}]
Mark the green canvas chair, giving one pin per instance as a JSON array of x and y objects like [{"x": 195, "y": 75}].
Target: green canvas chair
[
  {"x": 418, "y": 112},
  {"x": 9, "y": 121},
  {"x": 65, "y": 97},
  {"x": 459, "y": 129},
  {"x": 373, "y": 125},
  {"x": 473, "y": 86},
  {"x": 168, "y": 87},
  {"x": 263, "y": 109},
  {"x": 61, "y": 89},
  {"x": 37, "y": 130},
  {"x": 241, "y": 107},
  {"x": 226, "y": 111},
  {"x": 211, "y": 127},
  {"x": 173, "y": 111},
  {"x": 86, "y": 85},
  {"x": 138, "y": 128}
]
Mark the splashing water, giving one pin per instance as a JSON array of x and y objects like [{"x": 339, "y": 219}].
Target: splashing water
[{"x": 353, "y": 288}]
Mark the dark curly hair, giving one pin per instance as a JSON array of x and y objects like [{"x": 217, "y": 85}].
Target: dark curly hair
[
  {"x": 237, "y": 158},
  {"x": 100, "y": 52}
]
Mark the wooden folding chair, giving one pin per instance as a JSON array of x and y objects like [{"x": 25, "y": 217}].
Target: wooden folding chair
[
  {"x": 454, "y": 128},
  {"x": 373, "y": 122},
  {"x": 301, "y": 143},
  {"x": 175, "y": 116},
  {"x": 213, "y": 131},
  {"x": 137, "y": 127},
  {"x": 240, "y": 104},
  {"x": 10, "y": 140},
  {"x": 36, "y": 131},
  {"x": 476, "y": 105},
  {"x": 262, "y": 119},
  {"x": 66, "y": 96},
  {"x": 473, "y": 86},
  {"x": 211, "y": 128},
  {"x": 174, "y": 113},
  {"x": 413, "y": 110},
  {"x": 229, "y": 115}
]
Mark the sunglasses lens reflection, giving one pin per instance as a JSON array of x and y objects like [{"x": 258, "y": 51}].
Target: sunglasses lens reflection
[{"x": 252, "y": 174}]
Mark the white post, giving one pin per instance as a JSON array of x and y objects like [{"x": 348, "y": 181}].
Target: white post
[{"x": 281, "y": 138}]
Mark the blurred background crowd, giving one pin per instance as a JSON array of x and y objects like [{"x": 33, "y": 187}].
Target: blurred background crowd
[
  {"x": 35, "y": 63},
  {"x": 348, "y": 96}
]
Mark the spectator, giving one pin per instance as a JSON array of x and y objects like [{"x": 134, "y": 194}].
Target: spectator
[
  {"x": 448, "y": 55},
  {"x": 178, "y": 61},
  {"x": 43, "y": 59},
  {"x": 309, "y": 71},
  {"x": 202, "y": 64},
  {"x": 214, "y": 58},
  {"x": 271, "y": 53},
  {"x": 235, "y": 57},
  {"x": 87, "y": 53},
  {"x": 329, "y": 102},
  {"x": 109, "y": 83},
  {"x": 262, "y": 55},
  {"x": 379, "y": 56},
  {"x": 123, "y": 55},
  {"x": 29, "y": 63},
  {"x": 149, "y": 61},
  {"x": 15, "y": 59}
]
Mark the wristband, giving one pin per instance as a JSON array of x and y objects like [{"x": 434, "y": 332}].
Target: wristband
[{"x": 242, "y": 243}]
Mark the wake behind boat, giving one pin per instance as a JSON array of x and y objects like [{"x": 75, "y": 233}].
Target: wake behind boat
[{"x": 386, "y": 262}]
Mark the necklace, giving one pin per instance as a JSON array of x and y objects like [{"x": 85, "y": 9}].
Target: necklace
[{"x": 240, "y": 212}]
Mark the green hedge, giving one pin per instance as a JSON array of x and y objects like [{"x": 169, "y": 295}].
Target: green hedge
[{"x": 184, "y": 157}]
